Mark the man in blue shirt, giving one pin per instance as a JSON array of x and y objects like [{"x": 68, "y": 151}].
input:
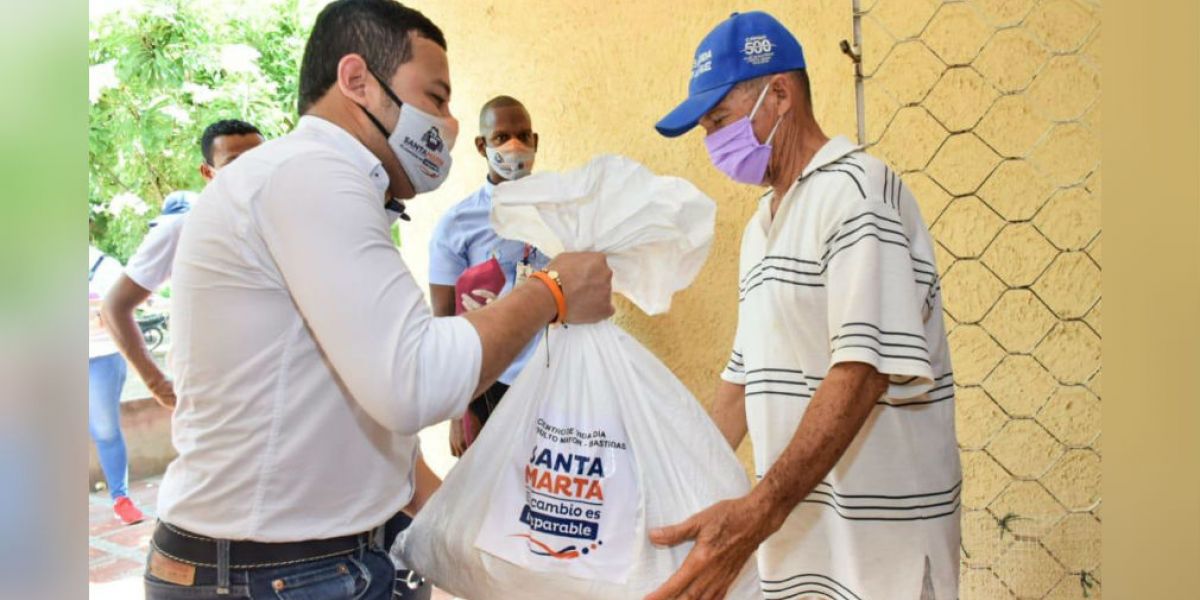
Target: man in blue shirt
[{"x": 464, "y": 239}]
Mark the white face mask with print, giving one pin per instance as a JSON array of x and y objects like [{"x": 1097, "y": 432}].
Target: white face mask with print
[
  {"x": 422, "y": 143},
  {"x": 513, "y": 160}
]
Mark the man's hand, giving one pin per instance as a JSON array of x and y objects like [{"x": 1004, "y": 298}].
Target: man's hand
[
  {"x": 163, "y": 391},
  {"x": 726, "y": 535},
  {"x": 458, "y": 441},
  {"x": 117, "y": 312},
  {"x": 470, "y": 303},
  {"x": 587, "y": 285}
]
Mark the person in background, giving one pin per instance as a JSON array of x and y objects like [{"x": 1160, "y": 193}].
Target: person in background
[
  {"x": 465, "y": 250},
  {"x": 106, "y": 379},
  {"x": 840, "y": 369},
  {"x": 150, "y": 267}
]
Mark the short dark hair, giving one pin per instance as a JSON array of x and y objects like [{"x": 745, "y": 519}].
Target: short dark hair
[
  {"x": 498, "y": 102},
  {"x": 377, "y": 30},
  {"x": 220, "y": 128}
]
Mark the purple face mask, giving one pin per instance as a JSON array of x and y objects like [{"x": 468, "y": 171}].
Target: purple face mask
[{"x": 737, "y": 152}]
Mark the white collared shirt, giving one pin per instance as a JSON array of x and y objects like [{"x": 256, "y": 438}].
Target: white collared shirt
[
  {"x": 150, "y": 266},
  {"x": 845, "y": 272},
  {"x": 305, "y": 356}
]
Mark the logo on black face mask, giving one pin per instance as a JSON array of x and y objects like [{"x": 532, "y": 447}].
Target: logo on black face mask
[{"x": 432, "y": 140}]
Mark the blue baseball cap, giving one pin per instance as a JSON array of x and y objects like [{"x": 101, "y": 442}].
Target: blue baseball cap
[{"x": 742, "y": 47}]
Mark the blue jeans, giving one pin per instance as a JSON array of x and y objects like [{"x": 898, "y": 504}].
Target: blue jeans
[
  {"x": 367, "y": 574},
  {"x": 106, "y": 378}
]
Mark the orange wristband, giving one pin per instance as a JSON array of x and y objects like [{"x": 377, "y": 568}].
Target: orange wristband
[{"x": 550, "y": 278}]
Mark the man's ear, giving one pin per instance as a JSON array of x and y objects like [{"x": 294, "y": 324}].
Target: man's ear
[
  {"x": 535, "y": 142},
  {"x": 786, "y": 96},
  {"x": 352, "y": 76},
  {"x": 480, "y": 144},
  {"x": 207, "y": 172}
]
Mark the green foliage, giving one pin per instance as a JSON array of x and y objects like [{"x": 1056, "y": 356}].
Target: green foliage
[{"x": 160, "y": 73}]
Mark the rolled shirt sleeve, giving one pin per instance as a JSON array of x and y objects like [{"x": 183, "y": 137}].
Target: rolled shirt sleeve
[
  {"x": 326, "y": 230},
  {"x": 150, "y": 266}
]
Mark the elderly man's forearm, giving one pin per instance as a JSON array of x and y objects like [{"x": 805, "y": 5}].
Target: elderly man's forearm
[{"x": 837, "y": 412}]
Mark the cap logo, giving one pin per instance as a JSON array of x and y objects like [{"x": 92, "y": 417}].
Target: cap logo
[
  {"x": 758, "y": 50},
  {"x": 703, "y": 64}
]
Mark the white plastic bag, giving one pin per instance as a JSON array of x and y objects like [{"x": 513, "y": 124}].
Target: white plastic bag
[{"x": 596, "y": 442}]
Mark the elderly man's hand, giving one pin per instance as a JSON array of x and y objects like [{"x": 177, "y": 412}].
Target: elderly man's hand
[{"x": 726, "y": 535}]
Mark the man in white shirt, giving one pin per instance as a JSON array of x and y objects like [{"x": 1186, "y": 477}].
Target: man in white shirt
[
  {"x": 306, "y": 357},
  {"x": 840, "y": 369},
  {"x": 150, "y": 267}
]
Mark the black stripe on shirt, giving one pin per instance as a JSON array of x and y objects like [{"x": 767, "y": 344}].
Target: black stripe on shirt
[
  {"x": 848, "y": 161},
  {"x": 887, "y": 182},
  {"x": 781, "y": 381},
  {"x": 831, "y": 253},
  {"x": 843, "y": 232},
  {"x": 794, "y": 266},
  {"x": 810, "y": 579},
  {"x": 810, "y": 584},
  {"x": 875, "y": 338},
  {"x": 881, "y": 354},
  {"x": 836, "y": 511},
  {"x": 951, "y": 490},
  {"x": 899, "y": 189},
  {"x": 953, "y": 500},
  {"x": 793, "y": 275},
  {"x": 926, "y": 401},
  {"x": 891, "y": 189},
  {"x": 939, "y": 393},
  {"x": 848, "y": 173},
  {"x": 807, "y": 378},
  {"x": 777, "y": 280},
  {"x": 808, "y": 591},
  {"x": 777, "y": 393},
  {"x": 920, "y": 336}
]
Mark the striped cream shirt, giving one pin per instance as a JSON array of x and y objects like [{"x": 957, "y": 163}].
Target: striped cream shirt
[{"x": 845, "y": 272}]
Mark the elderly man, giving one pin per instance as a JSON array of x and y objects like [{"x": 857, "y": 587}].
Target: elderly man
[
  {"x": 839, "y": 370},
  {"x": 307, "y": 358}
]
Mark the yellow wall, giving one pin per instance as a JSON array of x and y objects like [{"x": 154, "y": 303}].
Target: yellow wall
[
  {"x": 991, "y": 110},
  {"x": 596, "y": 76},
  {"x": 988, "y": 108}
]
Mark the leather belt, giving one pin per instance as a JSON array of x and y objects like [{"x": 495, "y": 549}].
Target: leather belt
[{"x": 192, "y": 548}]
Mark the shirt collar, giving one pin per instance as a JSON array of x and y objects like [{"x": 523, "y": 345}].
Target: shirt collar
[
  {"x": 833, "y": 150},
  {"x": 349, "y": 147}
]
